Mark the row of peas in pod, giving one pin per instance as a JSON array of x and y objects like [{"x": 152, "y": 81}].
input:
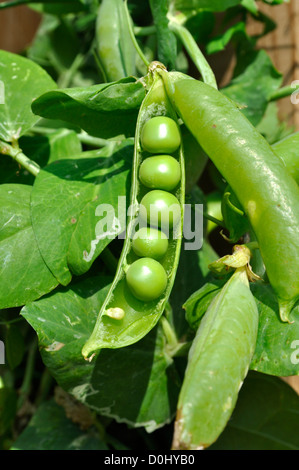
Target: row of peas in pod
[{"x": 160, "y": 210}]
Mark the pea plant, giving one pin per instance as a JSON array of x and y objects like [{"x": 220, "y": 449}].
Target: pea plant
[{"x": 149, "y": 232}]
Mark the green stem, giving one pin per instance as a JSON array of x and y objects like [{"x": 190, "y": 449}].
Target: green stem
[
  {"x": 210, "y": 217},
  {"x": 94, "y": 141},
  {"x": 109, "y": 259},
  {"x": 17, "y": 155},
  {"x": 169, "y": 333},
  {"x": 194, "y": 52},
  {"x": 67, "y": 76},
  {"x": 29, "y": 370},
  {"x": 133, "y": 38},
  {"x": 283, "y": 93},
  {"x": 83, "y": 136},
  {"x": 144, "y": 30},
  {"x": 44, "y": 387}
]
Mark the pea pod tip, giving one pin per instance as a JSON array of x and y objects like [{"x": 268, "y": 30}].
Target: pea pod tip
[{"x": 285, "y": 310}]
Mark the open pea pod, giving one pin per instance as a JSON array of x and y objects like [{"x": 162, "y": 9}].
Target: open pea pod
[
  {"x": 124, "y": 319},
  {"x": 218, "y": 363}
]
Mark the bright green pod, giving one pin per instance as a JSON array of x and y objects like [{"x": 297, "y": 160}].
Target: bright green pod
[
  {"x": 218, "y": 363},
  {"x": 260, "y": 180},
  {"x": 140, "y": 315}
]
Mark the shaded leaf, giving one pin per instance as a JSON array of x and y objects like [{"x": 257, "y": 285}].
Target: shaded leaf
[
  {"x": 257, "y": 78},
  {"x": 50, "y": 429},
  {"x": 265, "y": 418}
]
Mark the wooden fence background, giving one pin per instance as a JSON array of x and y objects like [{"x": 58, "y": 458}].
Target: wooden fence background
[{"x": 18, "y": 26}]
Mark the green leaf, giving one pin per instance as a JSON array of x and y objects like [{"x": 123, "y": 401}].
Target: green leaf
[
  {"x": 137, "y": 385},
  {"x": 271, "y": 127},
  {"x": 66, "y": 207},
  {"x": 24, "y": 275},
  {"x": 219, "y": 43},
  {"x": 277, "y": 348},
  {"x": 23, "y": 82},
  {"x": 265, "y": 418},
  {"x": 105, "y": 110},
  {"x": 253, "y": 85},
  {"x": 167, "y": 46},
  {"x": 50, "y": 429}
]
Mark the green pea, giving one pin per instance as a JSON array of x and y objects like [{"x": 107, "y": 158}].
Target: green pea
[
  {"x": 160, "y": 134},
  {"x": 150, "y": 242},
  {"x": 146, "y": 279},
  {"x": 161, "y": 209},
  {"x": 160, "y": 172}
]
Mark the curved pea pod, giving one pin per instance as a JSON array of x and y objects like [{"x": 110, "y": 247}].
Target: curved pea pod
[
  {"x": 267, "y": 193},
  {"x": 115, "y": 49},
  {"x": 139, "y": 317},
  {"x": 218, "y": 362}
]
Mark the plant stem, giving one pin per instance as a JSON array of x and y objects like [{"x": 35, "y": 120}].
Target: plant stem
[
  {"x": 210, "y": 217},
  {"x": 283, "y": 92},
  {"x": 94, "y": 141},
  {"x": 109, "y": 259},
  {"x": 44, "y": 387},
  {"x": 194, "y": 52},
  {"x": 29, "y": 369},
  {"x": 67, "y": 76},
  {"x": 144, "y": 30},
  {"x": 19, "y": 157},
  {"x": 82, "y": 136},
  {"x": 133, "y": 38}
]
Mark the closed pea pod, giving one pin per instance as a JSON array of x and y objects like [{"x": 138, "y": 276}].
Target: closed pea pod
[
  {"x": 260, "y": 180},
  {"x": 149, "y": 258},
  {"x": 114, "y": 46},
  {"x": 218, "y": 363}
]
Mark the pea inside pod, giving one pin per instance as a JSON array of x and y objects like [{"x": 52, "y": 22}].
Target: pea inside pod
[
  {"x": 160, "y": 172},
  {"x": 147, "y": 267}
]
